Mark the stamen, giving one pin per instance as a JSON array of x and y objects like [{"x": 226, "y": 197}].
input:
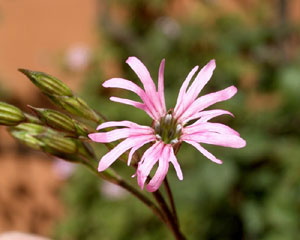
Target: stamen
[
  {"x": 158, "y": 136},
  {"x": 178, "y": 128},
  {"x": 168, "y": 119},
  {"x": 174, "y": 141},
  {"x": 157, "y": 126}
]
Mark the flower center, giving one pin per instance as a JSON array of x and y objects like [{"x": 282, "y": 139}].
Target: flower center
[{"x": 167, "y": 129}]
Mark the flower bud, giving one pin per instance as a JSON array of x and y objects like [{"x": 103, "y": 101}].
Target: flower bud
[
  {"x": 31, "y": 128},
  {"x": 67, "y": 148},
  {"x": 10, "y": 115},
  {"x": 47, "y": 84},
  {"x": 51, "y": 142},
  {"x": 60, "y": 121},
  {"x": 27, "y": 139},
  {"x": 57, "y": 144},
  {"x": 76, "y": 106},
  {"x": 26, "y": 132}
]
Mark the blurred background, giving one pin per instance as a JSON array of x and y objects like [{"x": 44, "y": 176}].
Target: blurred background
[{"x": 254, "y": 195}]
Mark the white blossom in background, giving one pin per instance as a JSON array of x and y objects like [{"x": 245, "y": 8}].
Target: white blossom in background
[
  {"x": 77, "y": 57},
  {"x": 63, "y": 169},
  {"x": 168, "y": 26},
  {"x": 112, "y": 191}
]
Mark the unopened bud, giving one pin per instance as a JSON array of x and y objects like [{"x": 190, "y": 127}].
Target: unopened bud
[
  {"x": 47, "y": 83},
  {"x": 27, "y": 139},
  {"x": 67, "y": 148},
  {"x": 10, "y": 115},
  {"x": 60, "y": 121},
  {"x": 58, "y": 144},
  {"x": 76, "y": 106},
  {"x": 26, "y": 132},
  {"x": 31, "y": 128}
]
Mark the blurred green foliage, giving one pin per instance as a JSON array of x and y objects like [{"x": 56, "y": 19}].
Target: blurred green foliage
[{"x": 255, "y": 194}]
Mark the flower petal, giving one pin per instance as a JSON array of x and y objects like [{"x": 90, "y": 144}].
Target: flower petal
[
  {"x": 209, "y": 127},
  {"x": 147, "y": 162},
  {"x": 207, "y": 115},
  {"x": 135, "y": 148},
  {"x": 129, "y": 85},
  {"x": 120, "y": 124},
  {"x": 134, "y": 104},
  {"x": 161, "y": 86},
  {"x": 124, "y": 84},
  {"x": 224, "y": 140},
  {"x": 179, "y": 105},
  {"x": 206, "y": 101},
  {"x": 161, "y": 171},
  {"x": 117, "y": 151},
  {"x": 200, "y": 81},
  {"x": 204, "y": 152},
  {"x": 142, "y": 72},
  {"x": 175, "y": 163},
  {"x": 105, "y": 137}
]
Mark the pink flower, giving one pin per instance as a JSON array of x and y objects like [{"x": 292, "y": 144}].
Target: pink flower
[{"x": 169, "y": 127}]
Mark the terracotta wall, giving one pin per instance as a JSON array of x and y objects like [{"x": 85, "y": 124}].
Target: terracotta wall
[{"x": 35, "y": 34}]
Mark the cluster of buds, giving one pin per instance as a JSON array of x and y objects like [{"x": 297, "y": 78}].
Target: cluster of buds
[
  {"x": 48, "y": 130},
  {"x": 61, "y": 95}
]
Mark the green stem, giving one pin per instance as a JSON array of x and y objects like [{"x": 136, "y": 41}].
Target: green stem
[
  {"x": 171, "y": 199},
  {"x": 173, "y": 225}
]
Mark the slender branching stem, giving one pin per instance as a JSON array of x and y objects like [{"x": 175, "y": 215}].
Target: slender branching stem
[
  {"x": 173, "y": 224},
  {"x": 171, "y": 199}
]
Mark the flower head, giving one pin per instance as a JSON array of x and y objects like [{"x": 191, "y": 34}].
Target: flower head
[{"x": 169, "y": 127}]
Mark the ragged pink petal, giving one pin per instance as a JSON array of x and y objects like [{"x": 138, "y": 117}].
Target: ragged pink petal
[
  {"x": 142, "y": 72},
  {"x": 121, "y": 148},
  {"x": 129, "y": 85},
  {"x": 204, "y": 152},
  {"x": 161, "y": 171},
  {"x": 120, "y": 124},
  {"x": 205, "y": 116},
  {"x": 206, "y": 101},
  {"x": 149, "y": 86},
  {"x": 179, "y": 104},
  {"x": 175, "y": 163},
  {"x": 124, "y": 84},
  {"x": 209, "y": 127},
  {"x": 105, "y": 137},
  {"x": 161, "y": 92},
  {"x": 224, "y": 140},
  {"x": 147, "y": 162},
  {"x": 200, "y": 81},
  {"x": 139, "y": 105},
  {"x": 136, "y": 147}
]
